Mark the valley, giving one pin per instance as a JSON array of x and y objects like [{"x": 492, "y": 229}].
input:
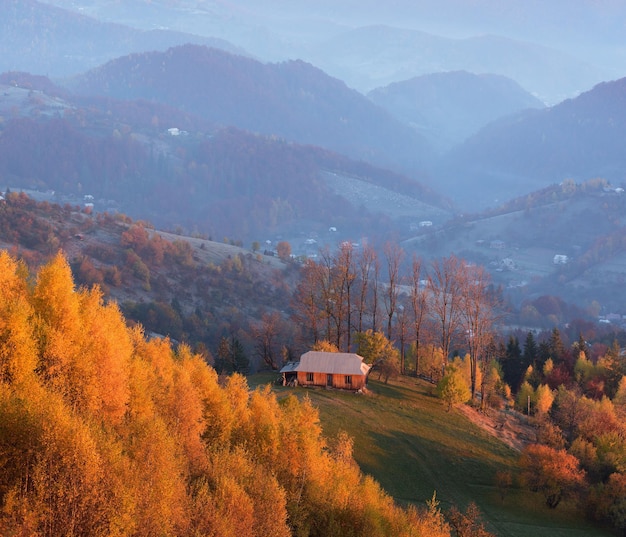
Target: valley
[{"x": 194, "y": 194}]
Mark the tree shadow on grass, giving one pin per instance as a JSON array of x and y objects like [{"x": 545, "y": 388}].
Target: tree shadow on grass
[{"x": 392, "y": 391}]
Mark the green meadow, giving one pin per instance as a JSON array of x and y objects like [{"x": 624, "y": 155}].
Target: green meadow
[{"x": 405, "y": 438}]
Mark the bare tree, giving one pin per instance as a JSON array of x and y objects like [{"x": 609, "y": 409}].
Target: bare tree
[
  {"x": 402, "y": 333},
  {"x": 393, "y": 256},
  {"x": 419, "y": 306},
  {"x": 445, "y": 283},
  {"x": 367, "y": 261},
  {"x": 307, "y": 300},
  {"x": 265, "y": 334},
  {"x": 327, "y": 293},
  {"x": 479, "y": 313},
  {"x": 375, "y": 284},
  {"x": 345, "y": 275}
]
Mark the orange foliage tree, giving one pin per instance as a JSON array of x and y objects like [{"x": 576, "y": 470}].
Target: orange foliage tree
[
  {"x": 103, "y": 432},
  {"x": 553, "y": 472}
]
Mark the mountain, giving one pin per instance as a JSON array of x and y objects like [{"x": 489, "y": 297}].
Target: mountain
[
  {"x": 579, "y": 139},
  {"x": 581, "y": 41},
  {"x": 449, "y": 107},
  {"x": 373, "y": 56},
  {"x": 43, "y": 39},
  {"x": 155, "y": 162},
  {"x": 291, "y": 100}
]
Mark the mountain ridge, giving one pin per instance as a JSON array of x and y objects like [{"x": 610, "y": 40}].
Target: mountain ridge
[
  {"x": 578, "y": 139},
  {"x": 293, "y": 100}
]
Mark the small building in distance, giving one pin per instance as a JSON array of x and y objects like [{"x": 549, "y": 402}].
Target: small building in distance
[{"x": 342, "y": 370}]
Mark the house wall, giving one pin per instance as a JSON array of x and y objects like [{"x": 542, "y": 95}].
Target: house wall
[{"x": 339, "y": 381}]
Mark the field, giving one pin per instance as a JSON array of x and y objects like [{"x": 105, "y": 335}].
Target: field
[{"x": 404, "y": 437}]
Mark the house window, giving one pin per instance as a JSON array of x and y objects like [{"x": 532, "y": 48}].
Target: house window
[
  {"x": 309, "y": 377},
  {"x": 348, "y": 380}
]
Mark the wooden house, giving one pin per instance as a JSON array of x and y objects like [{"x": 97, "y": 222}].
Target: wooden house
[{"x": 327, "y": 369}]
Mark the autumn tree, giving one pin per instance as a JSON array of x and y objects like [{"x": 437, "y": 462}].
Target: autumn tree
[
  {"x": 18, "y": 346},
  {"x": 393, "y": 257},
  {"x": 324, "y": 346},
  {"x": 554, "y": 473},
  {"x": 468, "y": 523},
  {"x": 453, "y": 388},
  {"x": 309, "y": 310},
  {"x": 345, "y": 276},
  {"x": 231, "y": 356},
  {"x": 366, "y": 267},
  {"x": 377, "y": 350},
  {"x": 283, "y": 249},
  {"x": 609, "y": 500}
]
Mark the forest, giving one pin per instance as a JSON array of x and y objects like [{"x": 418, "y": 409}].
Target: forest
[
  {"x": 90, "y": 384},
  {"x": 106, "y": 432}
]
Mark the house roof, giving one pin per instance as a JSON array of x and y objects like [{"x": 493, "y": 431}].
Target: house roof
[{"x": 335, "y": 363}]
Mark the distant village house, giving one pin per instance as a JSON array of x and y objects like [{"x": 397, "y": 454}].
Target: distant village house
[{"x": 341, "y": 370}]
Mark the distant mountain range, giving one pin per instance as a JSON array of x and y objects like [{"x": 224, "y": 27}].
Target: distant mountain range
[
  {"x": 553, "y": 50},
  {"x": 296, "y": 102},
  {"x": 579, "y": 139},
  {"x": 47, "y": 40},
  {"x": 154, "y": 162},
  {"x": 372, "y": 56},
  {"x": 292, "y": 100},
  {"x": 449, "y": 107}
]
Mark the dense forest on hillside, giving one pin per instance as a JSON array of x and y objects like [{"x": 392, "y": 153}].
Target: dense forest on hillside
[
  {"x": 105, "y": 432},
  {"x": 228, "y": 182}
]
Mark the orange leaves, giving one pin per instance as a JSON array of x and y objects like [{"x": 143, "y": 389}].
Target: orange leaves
[
  {"x": 103, "y": 432},
  {"x": 18, "y": 352},
  {"x": 553, "y": 472}
]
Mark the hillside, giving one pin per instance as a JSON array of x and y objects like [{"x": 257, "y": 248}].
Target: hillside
[
  {"x": 404, "y": 437},
  {"x": 292, "y": 100},
  {"x": 517, "y": 242},
  {"x": 229, "y": 182},
  {"x": 191, "y": 289},
  {"x": 449, "y": 107},
  {"x": 579, "y": 139},
  {"x": 106, "y": 431}
]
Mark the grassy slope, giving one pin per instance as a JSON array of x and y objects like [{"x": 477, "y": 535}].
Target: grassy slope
[{"x": 404, "y": 437}]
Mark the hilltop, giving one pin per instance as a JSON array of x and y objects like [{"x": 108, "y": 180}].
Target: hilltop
[{"x": 449, "y": 107}]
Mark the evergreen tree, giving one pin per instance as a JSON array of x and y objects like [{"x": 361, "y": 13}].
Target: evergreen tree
[
  {"x": 513, "y": 367},
  {"x": 531, "y": 351},
  {"x": 557, "y": 348},
  {"x": 231, "y": 357}
]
